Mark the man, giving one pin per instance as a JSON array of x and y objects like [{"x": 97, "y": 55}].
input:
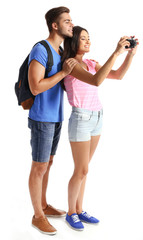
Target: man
[{"x": 46, "y": 114}]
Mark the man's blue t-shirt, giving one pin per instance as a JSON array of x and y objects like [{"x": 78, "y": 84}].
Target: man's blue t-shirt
[{"x": 47, "y": 106}]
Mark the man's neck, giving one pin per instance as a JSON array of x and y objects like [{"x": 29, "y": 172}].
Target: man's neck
[{"x": 55, "y": 41}]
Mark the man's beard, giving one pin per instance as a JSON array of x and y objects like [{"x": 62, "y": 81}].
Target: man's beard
[{"x": 63, "y": 35}]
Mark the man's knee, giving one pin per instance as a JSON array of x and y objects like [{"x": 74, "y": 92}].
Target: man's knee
[
  {"x": 39, "y": 169},
  {"x": 50, "y": 161}
]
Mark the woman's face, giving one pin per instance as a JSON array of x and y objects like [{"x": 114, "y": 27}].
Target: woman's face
[{"x": 84, "y": 42}]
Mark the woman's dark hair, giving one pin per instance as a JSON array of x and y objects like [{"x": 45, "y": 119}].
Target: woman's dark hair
[
  {"x": 53, "y": 15},
  {"x": 71, "y": 44}
]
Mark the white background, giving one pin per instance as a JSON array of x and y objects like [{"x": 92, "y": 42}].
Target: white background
[{"x": 114, "y": 192}]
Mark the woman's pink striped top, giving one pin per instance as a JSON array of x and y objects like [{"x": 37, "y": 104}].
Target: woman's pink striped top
[{"x": 81, "y": 94}]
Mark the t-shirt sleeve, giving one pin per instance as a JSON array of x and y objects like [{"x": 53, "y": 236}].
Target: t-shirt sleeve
[
  {"x": 92, "y": 62},
  {"x": 39, "y": 53}
]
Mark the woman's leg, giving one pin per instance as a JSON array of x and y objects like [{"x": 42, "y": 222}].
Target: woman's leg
[
  {"x": 93, "y": 144},
  {"x": 81, "y": 153}
]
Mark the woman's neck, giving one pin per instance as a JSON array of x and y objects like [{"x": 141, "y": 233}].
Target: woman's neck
[{"x": 79, "y": 57}]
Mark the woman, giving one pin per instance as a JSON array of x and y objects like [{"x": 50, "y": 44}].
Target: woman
[{"x": 85, "y": 122}]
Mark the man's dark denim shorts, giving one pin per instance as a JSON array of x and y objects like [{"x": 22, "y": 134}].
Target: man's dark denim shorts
[{"x": 44, "y": 139}]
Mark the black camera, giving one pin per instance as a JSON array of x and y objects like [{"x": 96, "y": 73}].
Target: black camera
[{"x": 132, "y": 42}]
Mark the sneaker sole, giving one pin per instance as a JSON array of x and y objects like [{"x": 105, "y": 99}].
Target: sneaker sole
[
  {"x": 47, "y": 233},
  {"x": 89, "y": 222},
  {"x": 76, "y": 229}
]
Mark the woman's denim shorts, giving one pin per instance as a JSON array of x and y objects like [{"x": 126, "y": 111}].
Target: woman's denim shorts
[
  {"x": 44, "y": 139},
  {"x": 83, "y": 124}
]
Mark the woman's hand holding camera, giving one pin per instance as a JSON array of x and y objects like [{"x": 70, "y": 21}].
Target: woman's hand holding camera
[{"x": 125, "y": 45}]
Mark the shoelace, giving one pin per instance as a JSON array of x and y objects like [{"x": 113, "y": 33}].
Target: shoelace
[
  {"x": 75, "y": 218},
  {"x": 86, "y": 215}
]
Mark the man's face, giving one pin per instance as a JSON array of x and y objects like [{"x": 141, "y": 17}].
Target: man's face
[{"x": 65, "y": 26}]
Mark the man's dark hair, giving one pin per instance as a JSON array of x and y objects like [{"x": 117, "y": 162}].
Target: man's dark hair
[{"x": 53, "y": 15}]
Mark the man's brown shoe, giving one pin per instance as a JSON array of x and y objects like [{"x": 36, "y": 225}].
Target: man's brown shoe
[
  {"x": 43, "y": 225},
  {"x": 50, "y": 211}
]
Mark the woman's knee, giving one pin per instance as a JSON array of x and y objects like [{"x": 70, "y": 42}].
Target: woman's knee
[{"x": 82, "y": 172}]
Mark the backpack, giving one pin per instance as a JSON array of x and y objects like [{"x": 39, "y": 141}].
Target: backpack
[{"x": 24, "y": 96}]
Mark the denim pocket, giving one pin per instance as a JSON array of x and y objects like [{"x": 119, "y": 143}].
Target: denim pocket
[
  {"x": 30, "y": 123},
  {"x": 81, "y": 116},
  {"x": 101, "y": 111}
]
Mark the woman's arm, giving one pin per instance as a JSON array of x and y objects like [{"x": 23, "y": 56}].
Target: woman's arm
[
  {"x": 96, "y": 79},
  {"x": 79, "y": 73},
  {"x": 121, "y": 71}
]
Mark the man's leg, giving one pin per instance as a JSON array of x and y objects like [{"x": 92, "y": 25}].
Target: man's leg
[
  {"x": 49, "y": 210},
  {"x": 35, "y": 186},
  {"x": 39, "y": 221},
  {"x": 45, "y": 183},
  {"x": 41, "y": 142}
]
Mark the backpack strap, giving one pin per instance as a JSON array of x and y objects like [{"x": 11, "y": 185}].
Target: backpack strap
[
  {"x": 50, "y": 57},
  {"x": 61, "y": 49}
]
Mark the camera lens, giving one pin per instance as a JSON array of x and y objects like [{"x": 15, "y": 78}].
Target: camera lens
[{"x": 132, "y": 42}]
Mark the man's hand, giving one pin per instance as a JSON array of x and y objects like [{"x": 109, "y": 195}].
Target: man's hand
[{"x": 68, "y": 65}]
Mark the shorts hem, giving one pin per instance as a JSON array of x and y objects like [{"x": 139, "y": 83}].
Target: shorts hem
[
  {"x": 46, "y": 159},
  {"x": 97, "y": 134},
  {"x": 53, "y": 154},
  {"x": 41, "y": 161},
  {"x": 79, "y": 140}
]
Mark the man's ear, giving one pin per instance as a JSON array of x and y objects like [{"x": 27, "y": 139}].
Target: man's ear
[{"x": 55, "y": 26}]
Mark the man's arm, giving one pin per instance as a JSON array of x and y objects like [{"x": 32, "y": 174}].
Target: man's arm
[{"x": 36, "y": 73}]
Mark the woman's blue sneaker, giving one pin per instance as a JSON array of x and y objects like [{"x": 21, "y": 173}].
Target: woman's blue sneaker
[
  {"x": 74, "y": 222},
  {"x": 85, "y": 217}
]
